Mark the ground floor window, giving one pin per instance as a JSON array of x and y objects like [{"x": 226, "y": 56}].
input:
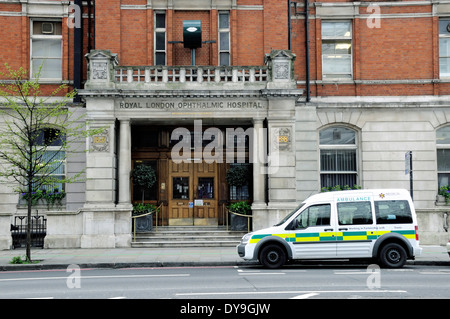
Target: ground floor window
[{"x": 338, "y": 157}]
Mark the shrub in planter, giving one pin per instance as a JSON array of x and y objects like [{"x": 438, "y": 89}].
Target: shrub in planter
[
  {"x": 239, "y": 223},
  {"x": 144, "y": 223}
]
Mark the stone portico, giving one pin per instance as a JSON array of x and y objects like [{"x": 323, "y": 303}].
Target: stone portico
[{"x": 119, "y": 97}]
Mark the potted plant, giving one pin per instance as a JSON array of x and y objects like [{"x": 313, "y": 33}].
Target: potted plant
[
  {"x": 239, "y": 223},
  {"x": 145, "y": 177},
  {"x": 444, "y": 194}
]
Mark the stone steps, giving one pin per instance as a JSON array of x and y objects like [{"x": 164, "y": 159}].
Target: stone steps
[{"x": 187, "y": 236}]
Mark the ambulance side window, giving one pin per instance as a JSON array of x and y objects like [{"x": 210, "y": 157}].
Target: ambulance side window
[
  {"x": 317, "y": 215},
  {"x": 354, "y": 213},
  {"x": 393, "y": 212}
]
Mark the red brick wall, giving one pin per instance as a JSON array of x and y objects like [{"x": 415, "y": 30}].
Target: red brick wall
[{"x": 402, "y": 49}]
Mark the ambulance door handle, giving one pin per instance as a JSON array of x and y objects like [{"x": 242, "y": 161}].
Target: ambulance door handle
[
  {"x": 343, "y": 228},
  {"x": 328, "y": 229}
]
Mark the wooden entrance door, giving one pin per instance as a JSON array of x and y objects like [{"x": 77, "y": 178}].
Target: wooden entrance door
[{"x": 193, "y": 194}]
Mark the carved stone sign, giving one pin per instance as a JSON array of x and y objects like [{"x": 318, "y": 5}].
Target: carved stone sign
[
  {"x": 182, "y": 104},
  {"x": 282, "y": 138},
  {"x": 100, "y": 142}
]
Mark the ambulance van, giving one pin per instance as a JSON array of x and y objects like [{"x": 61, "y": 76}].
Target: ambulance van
[{"x": 379, "y": 225}]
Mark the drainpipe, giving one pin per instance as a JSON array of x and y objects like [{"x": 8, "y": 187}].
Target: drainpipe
[
  {"x": 308, "y": 95},
  {"x": 78, "y": 53},
  {"x": 289, "y": 26}
]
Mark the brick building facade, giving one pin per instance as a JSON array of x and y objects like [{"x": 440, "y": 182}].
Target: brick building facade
[{"x": 366, "y": 83}]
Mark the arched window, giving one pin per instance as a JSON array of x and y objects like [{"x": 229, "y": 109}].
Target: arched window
[
  {"x": 443, "y": 156},
  {"x": 338, "y": 159},
  {"x": 51, "y": 141}
]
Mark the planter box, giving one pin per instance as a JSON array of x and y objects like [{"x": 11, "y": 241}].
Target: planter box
[
  {"x": 238, "y": 223},
  {"x": 144, "y": 224},
  {"x": 440, "y": 201}
]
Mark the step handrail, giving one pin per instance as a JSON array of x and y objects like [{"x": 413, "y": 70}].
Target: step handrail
[{"x": 160, "y": 207}]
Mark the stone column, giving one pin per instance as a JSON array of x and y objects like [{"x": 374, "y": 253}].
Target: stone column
[
  {"x": 124, "y": 163},
  {"x": 259, "y": 177}
]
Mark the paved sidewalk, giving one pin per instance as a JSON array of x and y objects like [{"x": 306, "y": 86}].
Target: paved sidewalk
[{"x": 160, "y": 257}]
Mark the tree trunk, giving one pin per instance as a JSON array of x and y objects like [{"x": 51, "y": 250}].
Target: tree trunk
[{"x": 28, "y": 246}]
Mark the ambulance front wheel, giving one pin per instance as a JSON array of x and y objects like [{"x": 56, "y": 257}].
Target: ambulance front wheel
[
  {"x": 392, "y": 255},
  {"x": 272, "y": 256}
]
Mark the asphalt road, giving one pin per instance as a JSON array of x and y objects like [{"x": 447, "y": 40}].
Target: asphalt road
[{"x": 229, "y": 283}]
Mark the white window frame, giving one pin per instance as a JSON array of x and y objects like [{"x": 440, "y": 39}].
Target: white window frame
[
  {"x": 447, "y": 57},
  {"x": 339, "y": 147},
  {"x": 345, "y": 76},
  {"x": 63, "y": 164},
  {"x": 44, "y": 37},
  {"x": 224, "y": 30},
  {"x": 442, "y": 146},
  {"x": 160, "y": 30}
]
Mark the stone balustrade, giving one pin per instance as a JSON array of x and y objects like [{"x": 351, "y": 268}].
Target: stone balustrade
[{"x": 190, "y": 74}]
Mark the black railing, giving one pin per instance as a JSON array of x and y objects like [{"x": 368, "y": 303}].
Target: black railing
[{"x": 19, "y": 231}]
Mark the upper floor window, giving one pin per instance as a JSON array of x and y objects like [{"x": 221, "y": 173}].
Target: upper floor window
[
  {"x": 338, "y": 160},
  {"x": 224, "y": 38},
  {"x": 336, "y": 50},
  {"x": 46, "y": 49},
  {"x": 444, "y": 47},
  {"x": 160, "y": 38}
]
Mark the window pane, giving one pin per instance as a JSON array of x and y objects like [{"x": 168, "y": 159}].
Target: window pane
[
  {"x": 336, "y": 65},
  {"x": 337, "y": 135},
  {"x": 318, "y": 215},
  {"x": 181, "y": 187},
  {"x": 443, "y": 179},
  {"x": 46, "y": 48},
  {"x": 224, "y": 21},
  {"x": 444, "y": 47},
  {"x": 338, "y": 160},
  {"x": 331, "y": 180},
  {"x": 205, "y": 188},
  {"x": 443, "y": 26},
  {"x": 336, "y": 29},
  {"x": 354, "y": 213},
  {"x": 50, "y": 28},
  {"x": 444, "y": 66},
  {"x": 443, "y": 160},
  {"x": 224, "y": 41},
  {"x": 160, "y": 20},
  {"x": 160, "y": 58},
  {"x": 336, "y": 47},
  {"x": 443, "y": 135},
  {"x": 51, "y": 68},
  {"x": 160, "y": 40},
  {"x": 224, "y": 58},
  {"x": 55, "y": 162},
  {"x": 393, "y": 212}
]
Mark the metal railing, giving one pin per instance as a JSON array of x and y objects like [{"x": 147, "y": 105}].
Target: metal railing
[
  {"x": 38, "y": 230},
  {"x": 190, "y": 74},
  {"x": 157, "y": 210}
]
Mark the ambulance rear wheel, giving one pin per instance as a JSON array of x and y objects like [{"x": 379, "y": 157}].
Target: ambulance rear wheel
[
  {"x": 392, "y": 256},
  {"x": 272, "y": 256}
]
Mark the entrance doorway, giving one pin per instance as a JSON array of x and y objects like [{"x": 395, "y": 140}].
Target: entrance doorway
[{"x": 193, "y": 194}]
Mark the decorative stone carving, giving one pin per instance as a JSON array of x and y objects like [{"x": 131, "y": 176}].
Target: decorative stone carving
[
  {"x": 100, "y": 142},
  {"x": 282, "y": 138},
  {"x": 99, "y": 70}
]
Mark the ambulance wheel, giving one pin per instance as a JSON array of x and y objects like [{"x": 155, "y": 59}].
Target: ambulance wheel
[
  {"x": 392, "y": 256},
  {"x": 272, "y": 256}
]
